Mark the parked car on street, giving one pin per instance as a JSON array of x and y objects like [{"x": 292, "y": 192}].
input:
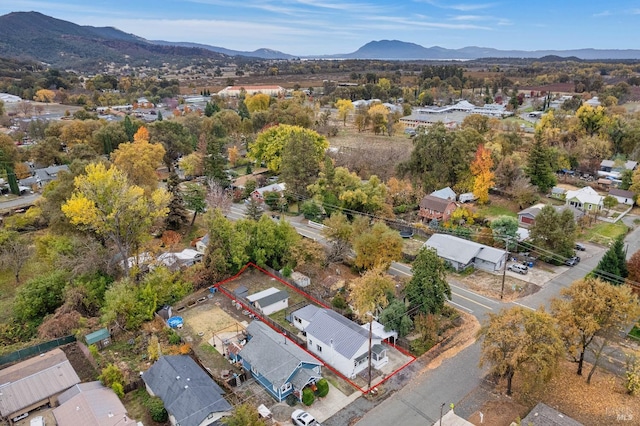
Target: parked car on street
[
  {"x": 572, "y": 261},
  {"x": 302, "y": 418},
  {"x": 580, "y": 247}
]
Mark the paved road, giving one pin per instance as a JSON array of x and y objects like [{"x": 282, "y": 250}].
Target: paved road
[{"x": 22, "y": 201}]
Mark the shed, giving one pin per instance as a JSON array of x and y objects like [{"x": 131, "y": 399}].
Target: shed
[
  {"x": 270, "y": 300},
  {"x": 300, "y": 280},
  {"x": 100, "y": 338}
]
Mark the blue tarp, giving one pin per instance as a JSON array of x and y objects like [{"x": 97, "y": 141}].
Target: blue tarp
[{"x": 175, "y": 322}]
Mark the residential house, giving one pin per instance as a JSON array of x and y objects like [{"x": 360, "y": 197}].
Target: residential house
[
  {"x": 91, "y": 404},
  {"x": 527, "y": 217},
  {"x": 260, "y": 193},
  {"x": 202, "y": 244},
  {"x": 35, "y": 382},
  {"x": 609, "y": 168},
  {"x": 270, "y": 300},
  {"x": 461, "y": 253},
  {"x": 543, "y": 415},
  {"x": 624, "y": 197},
  {"x": 432, "y": 207},
  {"x": 586, "y": 199},
  {"x": 184, "y": 259},
  {"x": 594, "y": 102},
  {"x": 281, "y": 366},
  {"x": 101, "y": 338},
  {"x": 445, "y": 193},
  {"x": 338, "y": 341},
  {"x": 41, "y": 177},
  {"x": 190, "y": 395},
  {"x": 558, "y": 193}
]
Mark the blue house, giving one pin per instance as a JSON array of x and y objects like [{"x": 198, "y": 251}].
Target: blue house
[{"x": 281, "y": 366}]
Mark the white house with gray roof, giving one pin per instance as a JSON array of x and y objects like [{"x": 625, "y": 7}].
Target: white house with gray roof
[
  {"x": 461, "y": 253},
  {"x": 190, "y": 395},
  {"x": 278, "y": 364},
  {"x": 338, "y": 341},
  {"x": 270, "y": 300}
]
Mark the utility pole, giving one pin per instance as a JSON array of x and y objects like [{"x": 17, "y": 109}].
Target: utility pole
[
  {"x": 504, "y": 270},
  {"x": 370, "y": 338},
  {"x": 441, "y": 407}
]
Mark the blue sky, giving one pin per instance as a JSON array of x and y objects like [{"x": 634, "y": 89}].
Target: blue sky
[{"x": 310, "y": 27}]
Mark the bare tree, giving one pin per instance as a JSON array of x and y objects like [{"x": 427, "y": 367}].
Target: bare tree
[
  {"x": 25, "y": 108},
  {"x": 218, "y": 197},
  {"x": 15, "y": 252}
]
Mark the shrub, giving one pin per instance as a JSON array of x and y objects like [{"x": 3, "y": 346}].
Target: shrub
[
  {"x": 112, "y": 377},
  {"x": 118, "y": 389},
  {"x": 174, "y": 338},
  {"x": 156, "y": 409},
  {"x": 307, "y": 396},
  {"x": 322, "y": 388},
  {"x": 286, "y": 271},
  {"x": 339, "y": 302}
]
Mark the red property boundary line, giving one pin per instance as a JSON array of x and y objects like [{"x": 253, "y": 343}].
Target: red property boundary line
[{"x": 218, "y": 286}]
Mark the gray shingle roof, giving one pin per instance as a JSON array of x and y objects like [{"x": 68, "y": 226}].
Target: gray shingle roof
[
  {"x": 331, "y": 328},
  {"x": 543, "y": 415},
  {"x": 188, "y": 393},
  {"x": 273, "y": 298},
  {"x": 445, "y": 193},
  {"x": 91, "y": 404},
  {"x": 272, "y": 355}
]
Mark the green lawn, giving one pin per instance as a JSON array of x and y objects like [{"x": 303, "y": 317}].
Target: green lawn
[
  {"x": 604, "y": 233},
  {"x": 494, "y": 210},
  {"x": 635, "y": 332}
]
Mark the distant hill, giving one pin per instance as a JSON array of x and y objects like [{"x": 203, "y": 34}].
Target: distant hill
[
  {"x": 34, "y": 36},
  {"x": 395, "y": 49},
  {"x": 263, "y": 53}
]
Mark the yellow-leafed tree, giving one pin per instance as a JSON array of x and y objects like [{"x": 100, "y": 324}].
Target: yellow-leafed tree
[
  {"x": 105, "y": 202},
  {"x": 45, "y": 95},
  {"x": 257, "y": 102},
  {"x": 369, "y": 292},
  {"x": 345, "y": 106},
  {"x": 483, "y": 176},
  {"x": 139, "y": 160}
]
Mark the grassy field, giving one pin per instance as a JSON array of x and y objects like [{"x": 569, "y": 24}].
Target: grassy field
[
  {"x": 604, "y": 233},
  {"x": 495, "y": 210}
]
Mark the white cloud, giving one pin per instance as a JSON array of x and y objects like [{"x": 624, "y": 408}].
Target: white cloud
[{"x": 463, "y": 7}]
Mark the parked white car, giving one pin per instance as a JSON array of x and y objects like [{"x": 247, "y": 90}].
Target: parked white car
[{"x": 302, "y": 418}]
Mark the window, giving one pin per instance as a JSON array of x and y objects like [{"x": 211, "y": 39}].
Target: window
[
  {"x": 310, "y": 342},
  {"x": 319, "y": 348},
  {"x": 285, "y": 387},
  {"x": 254, "y": 370}
]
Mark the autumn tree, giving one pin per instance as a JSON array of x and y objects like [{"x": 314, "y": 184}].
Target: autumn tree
[
  {"x": 378, "y": 247},
  {"x": 15, "y": 252},
  {"x": 613, "y": 265},
  {"x": 591, "y": 119},
  {"x": 428, "y": 288},
  {"x": 269, "y": 146},
  {"x": 257, "y": 102},
  {"x": 371, "y": 292},
  {"x": 633, "y": 266},
  {"x": 483, "y": 176},
  {"x": 519, "y": 340},
  {"x": 45, "y": 95},
  {"x": 378, "y": 114},
  {"x": 105, "y": 202},
  {"x": 243, "y": 415},
  {"x": 591, "y": 312},
  {"x": 345, "y": 107},
  {"x": 139, "y": 160},
  {"x": 227, "y": 249},
  {"x": 338, "y": 231}
]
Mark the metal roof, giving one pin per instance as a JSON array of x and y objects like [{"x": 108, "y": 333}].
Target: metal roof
[
  {"x": 97, "y": 336},
  {"x": 272, "y": 355},
  {"x": 91, "y": 404},
  {"x": 306, "y": 313},
  {"x": 188, "y": 393},
  {"x": 463, "y": 251},
  {"x": 35, "y": 380},
  {"x": 543, "y": 415}
]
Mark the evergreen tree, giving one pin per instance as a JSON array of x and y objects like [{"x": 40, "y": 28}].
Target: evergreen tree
[
  {"x": 428, "y": 289},
  {"x": 243, "y": 111},
  {"x": 177, "y": 215},
  {"x": 208, "y": 109},
  {"x": 160, "y": 116},
  {"x": 539, "y": 168},
  {"x": 613, "y": 265},
  {"x": 129, "y": 128}
]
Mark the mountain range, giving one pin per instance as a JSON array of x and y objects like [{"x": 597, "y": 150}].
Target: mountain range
[{"x": 34, "y": 36}]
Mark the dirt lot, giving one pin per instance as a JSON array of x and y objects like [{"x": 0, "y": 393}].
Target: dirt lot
[
  {"x": 490, "y": 285},
  {"x": 600, "y": 403}
]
